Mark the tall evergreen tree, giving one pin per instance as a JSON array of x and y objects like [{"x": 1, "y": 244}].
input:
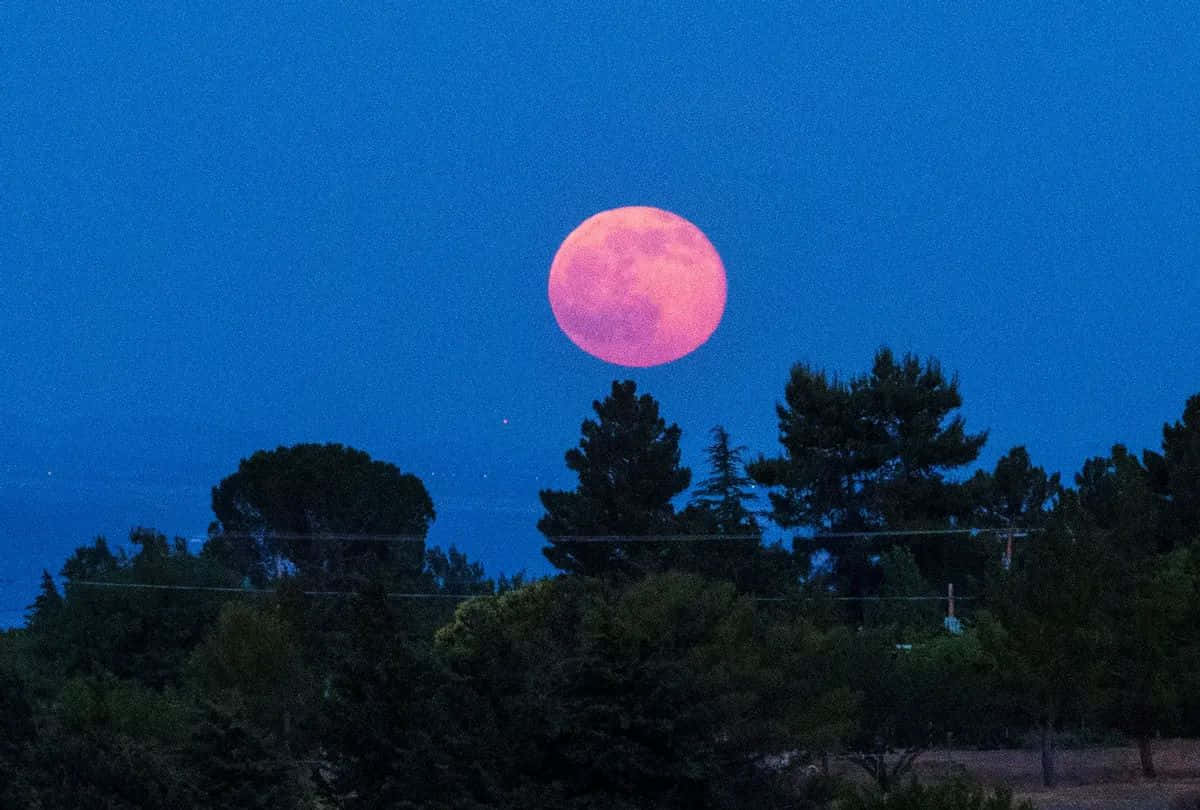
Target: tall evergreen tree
[
  {"x": 451, "y": 572},
  {"x": 867, "y": 454},
  {"x": 729, "y": 543},
  {"x": 1115, "y": 493},
  {"x": 1175, "y": 474},
  {"x": 46, "y": 607},
  {"x": 1049, "y": 632},
  {"x": 1146, "y": 603},
  {"x": 724, "y": 494},
  {"x": 90, "y": 562},
  {"x": 628, "y": 468},
  {"x": 1015, "y": 495}
]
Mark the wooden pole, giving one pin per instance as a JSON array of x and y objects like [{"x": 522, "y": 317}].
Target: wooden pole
[
  {"x": 950, "y": 599},
  {"x": 1008, "y": 551}
]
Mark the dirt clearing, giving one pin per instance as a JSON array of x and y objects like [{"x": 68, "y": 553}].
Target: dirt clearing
[{"x": 1101, "y": 778}]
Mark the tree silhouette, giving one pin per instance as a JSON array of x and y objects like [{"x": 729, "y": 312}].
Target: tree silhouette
[
  {"x": 46, "y": 607},
  {"x": 1015, "y": 493},
  {"x": 304, "y": 505},
  {"x": 870, "y": 454},
  {"x": 628, "y": 468},
  {"x": 1050, "y": 624},
  {"x": 724, "y": 494},
  {"x": 1147, "y": 598},
  {"x": 727, "y": 537},
  {"x": 1175, "y": 474}
]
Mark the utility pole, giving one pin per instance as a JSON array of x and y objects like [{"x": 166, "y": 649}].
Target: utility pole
[{"x": 951, "y": 623}]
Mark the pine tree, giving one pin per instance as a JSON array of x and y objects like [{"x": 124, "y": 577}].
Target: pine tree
[
  {"x": 1050, "y": 624},
  {"x": 628, "y": 468},
  {"x": 870, "y": 454},
  {"x": 274, "y": 507},
  {"x": 1146, "y": 601},
  {"x": 1175, "y": 474},
  {"x": 725, "y": 493},
  {"x": 1015, "y": 493},
  {"x": 718, "y": 508},
  {"x": 46, "y": 607}
]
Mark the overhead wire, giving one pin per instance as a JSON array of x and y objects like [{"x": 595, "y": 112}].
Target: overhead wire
[
  {"x": 1013, "y": 532},
  {"x": 252, "y": 591},
  {"x": 973, "y": 532},
  {"x": 1016, "y": 532},
  {"x": 270, "y": 591}
]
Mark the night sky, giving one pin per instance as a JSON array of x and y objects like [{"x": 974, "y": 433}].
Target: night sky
[{"x": 226, "y": 230}]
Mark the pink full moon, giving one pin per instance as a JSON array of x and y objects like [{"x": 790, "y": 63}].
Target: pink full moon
[{"x": 637, "y": 286}]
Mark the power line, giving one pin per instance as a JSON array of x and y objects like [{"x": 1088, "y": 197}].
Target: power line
[
  {"x": 1014, "y": 532},
  {"x": 684, "y": 538},
  {"x": 317, "y": 536},
  {"x": 254, "y": 591},
  {"x": 648, "y": 538},
  {"x": 269, "y": 591}
]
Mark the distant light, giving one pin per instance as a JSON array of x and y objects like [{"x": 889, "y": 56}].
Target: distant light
[
  {"x": 49, "y": 472},
  {"x": 504, "y": 421}
]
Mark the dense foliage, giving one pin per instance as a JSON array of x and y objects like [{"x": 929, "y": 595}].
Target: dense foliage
[{"x": 314, "y": 654}]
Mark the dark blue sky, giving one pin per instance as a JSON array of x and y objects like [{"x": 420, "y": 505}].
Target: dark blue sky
[{"x": 222, "y": 230}]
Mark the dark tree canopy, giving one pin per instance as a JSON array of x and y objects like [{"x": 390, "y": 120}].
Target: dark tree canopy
[
  {"x": 724, "y": 494},
  {"x": 661, "y": 693},
  {"x": 151, "y": 677},
  {"x": 1015, "y": 493},
  {"x": 1147, "y": 595},
  {"x": 90, "y": 562},
  {"x": 296, "y": 502},
  {"x": 47, "y": 605},
  {"x": 1050, "y": 623},
  {"x": 868, "y": 454},
  {"x": 1175, "y": 474},
  {"x": 732, "y": 546},
  {"x": 450, "y": 572},
  {"x": 105, "y": 622},
  {"x": 628, "y": 468},
  {"x": 1116, "y": 497}
]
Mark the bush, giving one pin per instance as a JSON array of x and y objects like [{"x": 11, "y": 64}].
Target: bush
[{"x": 955, "y": 795}]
